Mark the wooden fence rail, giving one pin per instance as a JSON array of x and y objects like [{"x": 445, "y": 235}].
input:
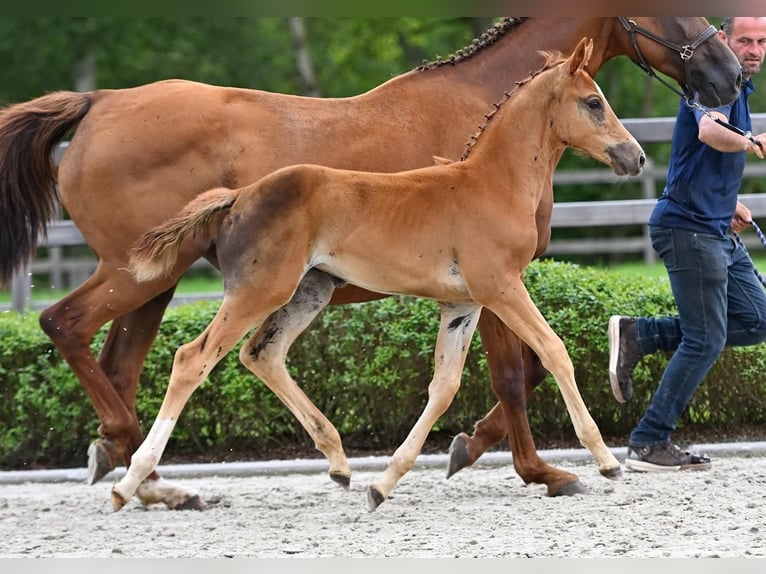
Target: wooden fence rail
[{"x": 582, "y": 214}]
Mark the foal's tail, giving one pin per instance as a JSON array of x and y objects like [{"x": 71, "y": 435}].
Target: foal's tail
[
  {"x": 29, "y": 133},
  {"x": 156, "y": 252}
]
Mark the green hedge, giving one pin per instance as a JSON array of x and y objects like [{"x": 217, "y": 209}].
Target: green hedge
[{"x": 367, "y": 367}]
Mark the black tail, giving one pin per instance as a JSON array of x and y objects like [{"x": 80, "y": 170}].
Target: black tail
[{"x": 29, "y": 134}]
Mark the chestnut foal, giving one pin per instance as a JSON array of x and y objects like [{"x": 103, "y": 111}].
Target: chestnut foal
[{"x": 461, "y": 234}]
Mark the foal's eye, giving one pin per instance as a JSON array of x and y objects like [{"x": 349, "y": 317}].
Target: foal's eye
[{"x": 594, "y": 104}]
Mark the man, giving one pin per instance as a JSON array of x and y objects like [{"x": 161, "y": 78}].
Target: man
[{"x": 719, "y": 298}]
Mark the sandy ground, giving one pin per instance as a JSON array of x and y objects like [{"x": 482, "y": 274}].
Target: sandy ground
[{"x": 484, "y": 511}]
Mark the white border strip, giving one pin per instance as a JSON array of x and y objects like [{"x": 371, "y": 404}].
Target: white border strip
[{"x": 305, "y": 466}]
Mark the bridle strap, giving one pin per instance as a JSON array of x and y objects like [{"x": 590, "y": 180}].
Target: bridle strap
[{"x": 685, "y": 52}]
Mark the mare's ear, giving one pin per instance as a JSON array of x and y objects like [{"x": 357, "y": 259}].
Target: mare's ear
[
  {"x": 438, "y": 160},
  {"x": 581, "y": 55}
]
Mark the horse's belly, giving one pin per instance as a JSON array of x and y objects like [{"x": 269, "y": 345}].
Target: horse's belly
[{"x": 442, "y": 283}]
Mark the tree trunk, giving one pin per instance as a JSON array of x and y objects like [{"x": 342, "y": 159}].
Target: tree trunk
[
  {"x": 85, "y": 73},
  {"x": 303, "y": 59}
]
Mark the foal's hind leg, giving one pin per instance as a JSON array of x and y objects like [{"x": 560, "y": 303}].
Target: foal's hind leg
[
  {"x": 191, "y": 365},
  {"x": 265, "y": 355},
  {"x": 122, "y": 357},
  {"x": 515, "y": 371},
  {"x": 456, "y": 327}
]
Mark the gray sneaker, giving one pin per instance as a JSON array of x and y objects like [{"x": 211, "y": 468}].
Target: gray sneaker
[
  {"x": 624, "y": 354},
  {"x": 664, "y": 458}
]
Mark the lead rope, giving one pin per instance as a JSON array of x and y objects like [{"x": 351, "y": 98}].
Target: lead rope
[{"x": 761, "y": 236}]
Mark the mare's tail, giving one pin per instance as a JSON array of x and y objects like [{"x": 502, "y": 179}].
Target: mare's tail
[
  {"x": 29, "y": 133},
  {"x": 156, "y": 252}
]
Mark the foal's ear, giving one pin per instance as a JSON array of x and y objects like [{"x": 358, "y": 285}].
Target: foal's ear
[
  {"x": 581, "y": 55},
  {"x": 438, "y": 160}
]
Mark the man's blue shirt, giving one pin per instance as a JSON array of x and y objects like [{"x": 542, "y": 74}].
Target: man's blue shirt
[{"x": 703, "y": 183}]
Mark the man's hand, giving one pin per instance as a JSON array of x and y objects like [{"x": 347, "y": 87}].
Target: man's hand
[{"x": 742, "y": 218}]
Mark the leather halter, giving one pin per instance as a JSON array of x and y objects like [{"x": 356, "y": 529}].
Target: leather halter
[{"x": 685, "y": 52}]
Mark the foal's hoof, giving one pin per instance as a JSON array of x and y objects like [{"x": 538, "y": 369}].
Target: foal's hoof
[
  {"x": 374, "y": 498},
  {"x": 459, "y": 457},
  {"x": 613, "y": 473},
  {"x": 194, "y": 502},
  {"x": 341, "y": 478},
  {"x": 118, "y": 501},
  {"x": 568, "y": 489},
  {"x": 99, "y": 462}
]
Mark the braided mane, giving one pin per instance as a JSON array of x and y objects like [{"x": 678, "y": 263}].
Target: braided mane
[
  {"x": 492, "y": 35},
  {"x": 552, "y": 59}
]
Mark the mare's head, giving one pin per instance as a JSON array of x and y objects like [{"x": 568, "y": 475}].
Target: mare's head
[
  {"x": 584, "y": 120},
  {"x": 687, "y": 49}
]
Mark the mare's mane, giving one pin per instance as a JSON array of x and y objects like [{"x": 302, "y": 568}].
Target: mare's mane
[
  {"x": 552, "y": 59},
  {"x": 492, "y": 35}
]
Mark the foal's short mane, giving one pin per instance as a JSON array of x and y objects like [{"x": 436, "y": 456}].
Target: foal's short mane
[
  {"x": 552, "y": 59},
  {"x": 492, "y": 35}
]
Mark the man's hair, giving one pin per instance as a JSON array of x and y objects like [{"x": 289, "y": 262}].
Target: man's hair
[{"x": 727, "y": 24}]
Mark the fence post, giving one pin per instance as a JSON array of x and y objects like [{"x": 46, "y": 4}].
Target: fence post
[{"x": 21, "y": 289}]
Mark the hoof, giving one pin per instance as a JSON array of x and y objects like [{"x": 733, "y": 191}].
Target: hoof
[
  {"x": 340, "y": 478},
  {"x": 374, "y": 498},
  {"x": 117, "y": 500},
  {"x": 614, "y": 473},
  {"x": 458, "y": 451},
  {"x": 568, "y": 489},
  {"x": 191, "y": 503},
  {"x": 99, "y": 462}
]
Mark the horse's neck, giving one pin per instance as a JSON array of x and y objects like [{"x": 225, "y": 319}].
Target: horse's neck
[
  {"x": 494, "y": 68},
  {"x": 517, "y": 148}
]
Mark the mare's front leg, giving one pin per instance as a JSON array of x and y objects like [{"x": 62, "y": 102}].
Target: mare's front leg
[
  {"x": 265, "y": 354},
  {"x": 456, "y": 327},
  {"x": 515, "y": 371},
  {"x": 191, "y": 366}
]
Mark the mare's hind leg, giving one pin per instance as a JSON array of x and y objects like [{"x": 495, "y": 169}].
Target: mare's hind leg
[
  {"x": 456, "y": 327},
  {"x": 191, "y": 366},
  {"x": 108, "y": 294},
  {"x": 522, "y": 316},
  {"x": 71, "y": 324},
  {"x": 122, "y": 357},
  {"x": 515, "y": 371},
  {"x": 265, "y": 355}
]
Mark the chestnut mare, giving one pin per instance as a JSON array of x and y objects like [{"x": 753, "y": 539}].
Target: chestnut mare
[
  {"x": 139, "y": 155},
  {"x": 461, "y": 234}
]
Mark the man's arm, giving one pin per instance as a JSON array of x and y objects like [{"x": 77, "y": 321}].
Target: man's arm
[{"x": 725, "y": 140}]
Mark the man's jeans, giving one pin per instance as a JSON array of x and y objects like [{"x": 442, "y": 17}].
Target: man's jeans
[{"x": 720, "y": 303}]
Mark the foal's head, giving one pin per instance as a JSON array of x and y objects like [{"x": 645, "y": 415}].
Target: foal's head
[{"x": 584, "y": 120}]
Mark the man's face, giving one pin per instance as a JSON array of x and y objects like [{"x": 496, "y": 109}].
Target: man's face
[{"x": 748, "y": 42}]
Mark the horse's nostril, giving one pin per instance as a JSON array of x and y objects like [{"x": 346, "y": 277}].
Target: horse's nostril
[{"x": 642, "y": 160}]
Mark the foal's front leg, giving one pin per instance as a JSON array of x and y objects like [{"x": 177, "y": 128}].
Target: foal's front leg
[
  {"x": 515, "y": 371},
  {"x": 457, "y": 325},
  {"x": 522, "y": 316}
]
